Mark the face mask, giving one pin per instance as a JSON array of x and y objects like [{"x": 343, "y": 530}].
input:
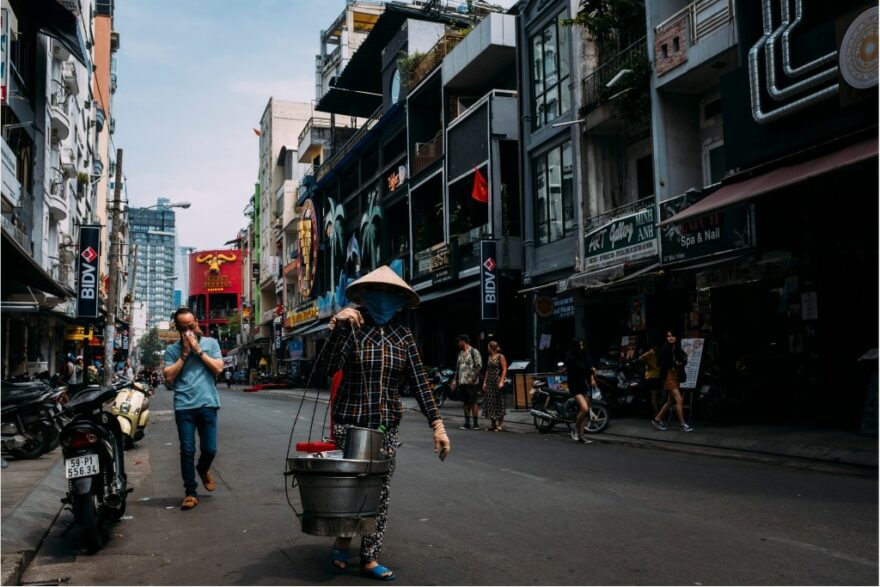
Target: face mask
[{"x": 382, "y": 306}]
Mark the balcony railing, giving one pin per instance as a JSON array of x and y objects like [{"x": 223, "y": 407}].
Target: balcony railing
[
  {"x": 433, "y": 58},
  {"x": 596, "y": 90},
  {"x": 605, "y": 217},
  {"x": 703, "y": 18},
  {"x": 427, "y": 153},
  {"x": 314, "y": 122},
  {"x": 346, "y": 148},
  {"x": 17, "y": 235}
]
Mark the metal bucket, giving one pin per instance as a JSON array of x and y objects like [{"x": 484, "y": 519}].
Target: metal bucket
[
  {"x": 340, "y": 497},
  {"x": 363, "y": 444}
]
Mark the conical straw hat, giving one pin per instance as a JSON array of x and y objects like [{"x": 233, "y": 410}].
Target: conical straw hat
[{"x": 381, "y": 278}]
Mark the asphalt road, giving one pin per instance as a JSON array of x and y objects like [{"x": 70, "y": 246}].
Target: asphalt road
[{"x": 505, "y": 508}]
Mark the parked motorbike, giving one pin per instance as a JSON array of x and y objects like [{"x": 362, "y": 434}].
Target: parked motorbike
[
  {"x": 441, "y": 380},
  {"x": 132, "y": 409},
  {"x": 552, "y": 406},
  {"x": 624, "y": 387},
  {"x": 29, "y": 426},
  {"x": 94, "y": 462}
]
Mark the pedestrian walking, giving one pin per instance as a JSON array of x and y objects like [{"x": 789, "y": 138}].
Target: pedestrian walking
[
  {"x": 493, "y": 387},
  {"x": 80, "y": 369},
  {"x": 70, "y": 369},
  {"x": 191, "y": 367},
  {"x": 652, "y": 373},
  {"x": 672, "y": 360},
  {"x": 467, "y": 378},
  {"x": 377, "y": 356},
  {"x": 129, "y": 372},
  {"x": 227, "y": 375},
  {"x": 579, "y": 369}
]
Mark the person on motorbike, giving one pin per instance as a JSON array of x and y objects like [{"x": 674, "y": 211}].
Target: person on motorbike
[
  {"x": 578, "y": 368},
  {"x": 377, "y": 356},
  {"x": 672, "y": 360}
]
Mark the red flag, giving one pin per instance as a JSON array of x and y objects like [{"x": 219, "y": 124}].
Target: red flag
[
  {"x": 258, "y": 132},
  {"x": 480, "y": 192}
]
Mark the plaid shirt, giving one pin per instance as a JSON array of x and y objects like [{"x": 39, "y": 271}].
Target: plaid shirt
[{"x": 376, "y": 362}]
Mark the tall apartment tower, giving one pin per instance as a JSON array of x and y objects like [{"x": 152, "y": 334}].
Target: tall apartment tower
[{"x": 154, "y": 231}]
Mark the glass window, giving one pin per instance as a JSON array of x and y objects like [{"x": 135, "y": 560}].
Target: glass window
[
  {"x": 551, "y": 68},
  {"x": 555, "y": 210}
]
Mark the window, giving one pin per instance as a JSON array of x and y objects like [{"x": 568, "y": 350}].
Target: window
[
  {"x": 555, "y": 215},
  {"x": 550, "y": 73}
]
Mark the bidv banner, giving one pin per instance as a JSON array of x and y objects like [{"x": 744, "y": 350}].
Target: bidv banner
[
  {"x": 489, "y": 280},
  {"x": 88, "y": 270}
]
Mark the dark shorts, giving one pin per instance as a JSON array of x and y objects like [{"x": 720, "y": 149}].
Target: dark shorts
[
  {"x": 577, "y": 392},
  {"x": 653, "y": 384},
  {"x": 469, "y": 394}
]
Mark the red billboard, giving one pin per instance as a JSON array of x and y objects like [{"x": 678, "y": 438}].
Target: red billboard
[{"x": 215, "y": 289}]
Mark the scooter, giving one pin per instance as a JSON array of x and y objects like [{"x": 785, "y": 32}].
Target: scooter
[
  {"x": 441, "y": 380},
  {"x": 94, "y": 462},
  {"x": 624, "y": 387},
  {"x": 132, "y": 410},
  {"x": 554, "y": 406},
  {"x": 29, "y": 427}
]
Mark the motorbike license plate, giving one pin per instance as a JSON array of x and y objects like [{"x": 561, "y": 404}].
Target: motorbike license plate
[{"x": 83, "y": 466}]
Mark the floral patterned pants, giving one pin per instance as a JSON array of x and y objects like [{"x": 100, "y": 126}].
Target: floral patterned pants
[{"x": 371, "y": 544}]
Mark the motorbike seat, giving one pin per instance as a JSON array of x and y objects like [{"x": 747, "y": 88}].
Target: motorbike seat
[
  {"x": 558, "y": 393},
  {"x": 22, "y": 393}
]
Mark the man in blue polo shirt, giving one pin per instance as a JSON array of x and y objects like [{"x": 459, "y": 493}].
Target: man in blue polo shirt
[{"x": 191, "y": 367}]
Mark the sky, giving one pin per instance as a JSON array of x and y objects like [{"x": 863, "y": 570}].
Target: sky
[{"x": 194, "y": 78}]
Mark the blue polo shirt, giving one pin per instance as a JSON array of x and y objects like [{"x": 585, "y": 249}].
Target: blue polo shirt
[{"x": 195, "y": 385}]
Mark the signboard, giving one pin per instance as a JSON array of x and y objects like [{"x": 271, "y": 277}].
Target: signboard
[
  {"x": 4, "y": 53},
  {"x": 563, "y": 308},
  {"x": 436, "y": 261},
  {"x": 693, "y": 347},
  {"x": 87, "y": 284},
  {"x": 488, "y": 280},
  {"x": 215, "y": 279},
  {"x": 302, "y": 314},
  {"x": 623, "y": 239},
  {"x": 718, "y": 232},
  {"x": 77, "y": 333},
  {"x": 295, "y": 349},
  {"x": 307, "y": 245},
  {"x": 277, "y": 329}
]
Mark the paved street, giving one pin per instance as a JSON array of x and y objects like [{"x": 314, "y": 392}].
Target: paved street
[{"x": 505, "y": 508}]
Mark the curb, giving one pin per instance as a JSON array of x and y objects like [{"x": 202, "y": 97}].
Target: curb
[
  {"x": 30, "y": 522},
  {"x": 831, "y": 464}
]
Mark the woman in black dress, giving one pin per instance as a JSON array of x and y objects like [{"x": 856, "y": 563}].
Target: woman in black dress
[
  {"x": 493, "y": 386},
  {"x": 579, "y": 370}
]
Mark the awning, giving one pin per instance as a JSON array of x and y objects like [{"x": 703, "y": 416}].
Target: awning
[
  {"x": 603, "y": 278},
  {"x": 434, "y": 295},
  {"x": 54, "y": 20},
  {"x": 776, "y": 179},
  {"x": 20, "y": 267}
]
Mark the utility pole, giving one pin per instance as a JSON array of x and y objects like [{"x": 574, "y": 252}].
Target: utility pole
[{"x": 115, "y": 208}]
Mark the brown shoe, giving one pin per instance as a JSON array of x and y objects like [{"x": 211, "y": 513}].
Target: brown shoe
[
  {"x": 189, "y": 502},
  {"x": 208, "y": 481}
]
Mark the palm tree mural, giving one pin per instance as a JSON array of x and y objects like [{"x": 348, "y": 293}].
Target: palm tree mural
[
  {"x": 370, "y": 228},
  {"x": 333, "y": 227}
]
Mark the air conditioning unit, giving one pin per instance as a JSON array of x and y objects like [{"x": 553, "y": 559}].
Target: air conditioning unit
[{"x": 68, "y": 162}]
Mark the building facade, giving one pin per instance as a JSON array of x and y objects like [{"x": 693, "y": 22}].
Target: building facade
[{"x": 153, "y": 230}]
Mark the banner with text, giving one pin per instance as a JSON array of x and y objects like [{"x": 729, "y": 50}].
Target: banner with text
[
  {"x": 488, "y": 280},
  {"x": 717, "y": 232},
  {"x": 88, "y": 269},
  {"x": 624, "y": 239}
]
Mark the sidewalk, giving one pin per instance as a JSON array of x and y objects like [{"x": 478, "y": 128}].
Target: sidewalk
[
  {"x": 30, "y": 500},
  {"x": 799, "y": 445}
]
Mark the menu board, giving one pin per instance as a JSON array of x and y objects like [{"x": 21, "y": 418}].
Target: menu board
[{"x": 693, "y": 347}]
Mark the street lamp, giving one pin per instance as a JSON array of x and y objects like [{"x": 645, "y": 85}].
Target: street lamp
[{"x": 113, "y": 294}]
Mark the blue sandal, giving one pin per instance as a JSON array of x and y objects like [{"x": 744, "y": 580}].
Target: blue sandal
[
  {"x": 378, "y": 573},
  {"x": 337, "y": 555}
]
